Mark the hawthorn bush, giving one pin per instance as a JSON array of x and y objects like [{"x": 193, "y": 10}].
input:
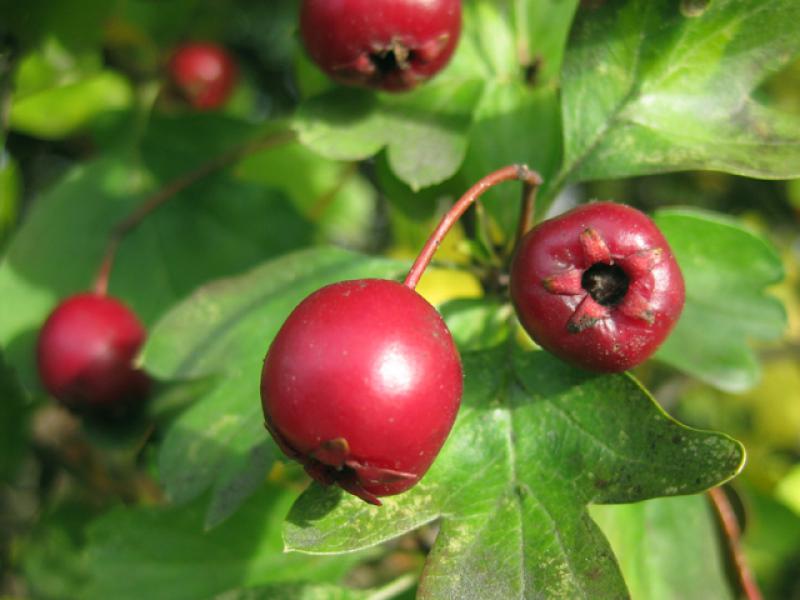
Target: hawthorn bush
[{"x": 212, "y": 221}]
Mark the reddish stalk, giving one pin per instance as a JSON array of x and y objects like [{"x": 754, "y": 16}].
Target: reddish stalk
[
  {"x": 526, "y": 210},
  {"x": 509, "y": 173},
  {"x": 730, "y": 526},
  {"x": 173, "y": 188}
]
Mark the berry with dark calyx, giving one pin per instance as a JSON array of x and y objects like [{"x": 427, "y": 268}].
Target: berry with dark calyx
[
  {"x": 85, "y": 354},
  {"x": 361, "y": 385},
  {"x": 597, "y": 286},
  {"x": 203, "y": 73},
  {"x": 391, "y": 45}
]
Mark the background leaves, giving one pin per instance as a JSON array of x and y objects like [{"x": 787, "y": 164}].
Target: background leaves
[
  {"x": 726, "y": 269},
  {"x": 649, "y": 89},
  {"x": 158, "y": 263},
  {"x": 167, "y": 553},
  {"x": 667, "y": 547},
  {"x": 583, "y": 92}
]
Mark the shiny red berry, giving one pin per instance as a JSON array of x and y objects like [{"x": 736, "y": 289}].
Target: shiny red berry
[
  {"x": 598, "y": 286},
  {"x": 362, "y": 385},
  {"x": 86, "y": 350},
  {"x": 203, "y": 73},
  {"x": 383, "y": 44}
]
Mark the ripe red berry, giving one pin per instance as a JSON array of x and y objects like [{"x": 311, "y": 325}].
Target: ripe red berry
[
  {"x": 385, "y": 44},
  {"x": 85, "y": 353},
  {"x": 598, "y": 286},
  {"x": 203, "y": 73},
  {"x": 362, "y": 385}
]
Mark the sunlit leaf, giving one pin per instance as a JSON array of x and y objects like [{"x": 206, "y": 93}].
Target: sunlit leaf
[{"x": 535, "y": 442}]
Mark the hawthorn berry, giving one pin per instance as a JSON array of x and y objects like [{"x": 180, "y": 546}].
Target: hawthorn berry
[
  {"x": 361, "y": 385},
  {"x": 203, "y": 73},
  {"x": 391, "y": 45},
  {"x": 85, "y": 354},
  {"x": 598, "y": 286}
]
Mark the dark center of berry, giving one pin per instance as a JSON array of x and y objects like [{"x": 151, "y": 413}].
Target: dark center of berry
[
  {"x": 393, "y": 59},
  {"x": 606, "y": 284}
]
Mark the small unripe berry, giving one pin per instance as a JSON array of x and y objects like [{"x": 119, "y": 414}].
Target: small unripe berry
[
  {"x": 362, "y": 385},
  {"x": 392, "y": 45},
  {"x": 597, "y": 286},
  {"x": 85, "y": 353}
]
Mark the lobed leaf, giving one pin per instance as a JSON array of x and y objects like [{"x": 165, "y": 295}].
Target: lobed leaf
[
  {"x": 650, "y": 87},
  {"x": 536, "y": 441}
]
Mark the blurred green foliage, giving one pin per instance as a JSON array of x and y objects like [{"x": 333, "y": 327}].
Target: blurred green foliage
[{"x": 295, "y": 183}]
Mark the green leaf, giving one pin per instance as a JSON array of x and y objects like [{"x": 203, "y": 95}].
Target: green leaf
[
  {"x": 544, "y": 26},
  {"x": 298, "y": 591},
  {"x": 61, "y": 86},
  {"x": 164, "y": 553},
  {"x": 13, "y": 420},
  {"x": 52, "y": 555},
  {"x": 648, "y": 89},
  {"x": 518, "y": 117},
  {"x": 771, "y": 541},
  {"x": 727, "y": 269},
  {"x": 216, "y": 227},
  {"x": 477, "y": 324},
  {"x": 240, "y": 478},
  {"x": 224, "y": 329},
  {"x": 425, "y": 131},
  {"x": 302, "y": 591},
  {"x": 513, "y": 124},
  {"x": 535, "y": 442},
  {"x": 331, "y": 194},
  {"x": 58, "y": 112},
  {"x": 79, "y": 30},
  {"x": 10, "y": 185},
  {"x": 667, "y": 548}
]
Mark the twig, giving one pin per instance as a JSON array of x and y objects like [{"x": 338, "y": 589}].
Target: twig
[
  {"x": 171, "y": 189},
  {"x": 730, "y": 526},
  {"x": 527, "y": 209}
]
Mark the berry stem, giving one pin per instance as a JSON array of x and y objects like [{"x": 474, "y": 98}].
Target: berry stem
[
  {"x": 527, "y": 210},
  {"x": 173, "y": 188},
  {"x": 509, "y": 173},
  {"x": 730, "y": 527}
]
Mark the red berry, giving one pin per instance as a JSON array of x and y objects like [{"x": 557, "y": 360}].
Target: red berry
[
  {"x": 362, "y": 385},
  {"x": 598, "y": 286},
  {"x": 385, "y": 44},
  {"x": 203, "y": 73},
  {"x": 85, "y": 353}
]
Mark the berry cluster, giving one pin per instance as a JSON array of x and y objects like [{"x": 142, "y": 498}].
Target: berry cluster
[{"x": 363, "y": 381}]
